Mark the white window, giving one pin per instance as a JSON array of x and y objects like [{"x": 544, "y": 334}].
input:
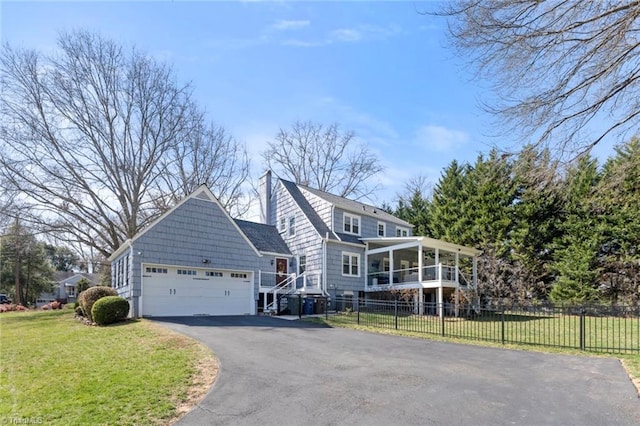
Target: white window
[
  {"x": 351, "y": 224},
  {"x": 382, "y": 229},
  {"x": 350, "y": 264},
  {"x": 292, "y": 226},
  {"x": 402, "y": 232},
  {"x": 302, "y": 264},
  {"x": 282, "y": 224},
  {"x": 213, "y": 274},
  {"x": 71, "y": 291}
]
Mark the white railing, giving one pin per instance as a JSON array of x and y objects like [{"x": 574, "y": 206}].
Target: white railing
[
  {"x": 406, "y": 275},
  {"x": 285, "y": 287}
]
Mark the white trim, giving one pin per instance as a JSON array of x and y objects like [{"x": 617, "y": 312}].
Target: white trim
[
  {"x": 194, "y": 195},
  {"x": 401, "y": 229},
  {"x": 351, "y": 218},
  {"x": 384, "y": 229},
  {"x": 351, "y": 256}
]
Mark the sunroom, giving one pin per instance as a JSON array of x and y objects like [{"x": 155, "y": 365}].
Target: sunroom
[{"x": 437, "y": 269}]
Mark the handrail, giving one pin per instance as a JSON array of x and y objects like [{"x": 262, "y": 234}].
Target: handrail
[{"x": 290, "y": 281}]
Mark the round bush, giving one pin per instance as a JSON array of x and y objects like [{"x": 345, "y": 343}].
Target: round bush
[
  {"x": 110, "y": 309},
  {"x": 91, "y": 295}
]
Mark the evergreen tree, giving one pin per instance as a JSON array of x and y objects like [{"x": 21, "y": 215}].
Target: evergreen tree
[
  {"x": 25, "y": 270},
  {"x": 575, "y": 261},
  {"x": 448, "y": 214},
  {"x": 537, "y": 215},
  {"x": 618, "y": 202}
]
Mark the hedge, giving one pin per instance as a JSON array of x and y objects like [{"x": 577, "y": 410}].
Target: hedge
[
  {"x": 91, "y": 295},
  {"x": 110, "y": 309}
]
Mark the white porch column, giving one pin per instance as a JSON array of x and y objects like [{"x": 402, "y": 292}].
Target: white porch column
[
  {"x": 457, "y": 266},
  {"x": 391, "y": 267},
  {"x": 420, "y": 301},
  {"x": 420, "y": 263},
  {"x": 440, "y": 300}
]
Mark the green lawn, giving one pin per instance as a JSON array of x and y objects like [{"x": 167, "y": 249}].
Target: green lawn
[
  {"x": 56, "y": 370},
  {"x": 547, "y": 333}
]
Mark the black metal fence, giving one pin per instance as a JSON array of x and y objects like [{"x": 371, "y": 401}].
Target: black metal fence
[{"x": 611, "y": 329}]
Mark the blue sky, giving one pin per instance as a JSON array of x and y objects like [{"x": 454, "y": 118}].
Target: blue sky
[{"x": 381, "y": 69}]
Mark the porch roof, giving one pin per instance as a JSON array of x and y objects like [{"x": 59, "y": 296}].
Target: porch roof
[{"x": 389, "y": 242}]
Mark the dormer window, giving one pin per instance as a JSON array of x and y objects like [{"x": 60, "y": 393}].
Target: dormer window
[{"x": 351, "y": 224}]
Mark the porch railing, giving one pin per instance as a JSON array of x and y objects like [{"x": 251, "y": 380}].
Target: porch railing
[{"x": 406, "y": 275}]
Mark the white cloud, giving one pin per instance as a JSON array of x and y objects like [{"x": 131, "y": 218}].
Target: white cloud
[
  {"x": 356, "y": 34},
  {"x": 440, "y": 139},
  {"x": 347, "y": 35},
  {"x": 286, "y": 25}
]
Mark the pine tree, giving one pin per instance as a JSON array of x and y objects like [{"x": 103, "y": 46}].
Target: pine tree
[{"x": 575, "y": 260}]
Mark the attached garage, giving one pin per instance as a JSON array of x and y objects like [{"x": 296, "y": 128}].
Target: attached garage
[{"x": 184, "y": 291}]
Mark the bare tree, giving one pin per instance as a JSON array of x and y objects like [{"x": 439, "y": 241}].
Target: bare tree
[
  {"x": 560, "y": 68},
  {"x": 325, "y": 158},
  {"x": 209, "y": 156},
  {"x": 85, "y": 136}
]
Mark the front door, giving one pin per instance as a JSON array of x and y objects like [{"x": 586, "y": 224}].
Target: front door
[{"x": 281, "y": 270}]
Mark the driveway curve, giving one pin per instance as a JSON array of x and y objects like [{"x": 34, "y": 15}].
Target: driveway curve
[{"x": 278, "y": 372}]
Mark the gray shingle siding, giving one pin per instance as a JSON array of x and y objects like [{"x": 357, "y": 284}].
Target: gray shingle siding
[
  {"x": 306, "y": 241},
  {"x": 335, "y": 279},
  {"x": 195, "y": 230}
]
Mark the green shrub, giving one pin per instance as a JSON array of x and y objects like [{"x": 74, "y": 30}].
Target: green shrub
[
  {"x": 110, "y": 309},
  {"x": 76, "y": 304},
  {"x": 91, "y": 295}
]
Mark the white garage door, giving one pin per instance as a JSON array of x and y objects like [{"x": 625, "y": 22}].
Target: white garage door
[{"x": 170, "y": 291}]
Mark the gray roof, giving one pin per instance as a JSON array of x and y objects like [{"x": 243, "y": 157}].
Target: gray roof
[
  {"x": 73, "y": 277},
  {"x": 347, "y": 238},
  {"x": 319, "y": 224},
  {"x": 265, "y": 238},
  {"x": 357, "y": 207}
]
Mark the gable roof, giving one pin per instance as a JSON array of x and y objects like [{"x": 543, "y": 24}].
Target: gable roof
[
  {"x": 320, "y": 226},
  {"x": 73, "y": 277},
  {"x": 357, "y": 207},
  {"x": 201, "y": 193},
  {"x": 265, "y": 238}
]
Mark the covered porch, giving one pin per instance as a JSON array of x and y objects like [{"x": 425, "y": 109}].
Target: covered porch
[{"x": 428, "y": 265}]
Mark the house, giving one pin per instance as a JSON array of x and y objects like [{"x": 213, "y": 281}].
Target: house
[
  {"x": 197, "y": 260},
  {"x": 65, "y": 287}
]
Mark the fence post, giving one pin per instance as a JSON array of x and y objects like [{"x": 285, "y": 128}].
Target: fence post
[
  {"x": 442, "y": 317},
  {"x": 395, "y": 311},
  {"x": 358, "y": 309},
  {"x": 502, "y": 322},
  {"x": 582, "y": 331},
  {"x": 299, "y": 305}
]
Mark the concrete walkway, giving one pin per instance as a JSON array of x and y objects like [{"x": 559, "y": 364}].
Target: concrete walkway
[{"x": 276, "y": 372}]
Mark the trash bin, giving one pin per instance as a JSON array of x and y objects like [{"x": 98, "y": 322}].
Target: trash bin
[
  {"x": 293, "y": 304},
  {"x": 307, "y": 307},
  {"x": 320, "y": 306}
]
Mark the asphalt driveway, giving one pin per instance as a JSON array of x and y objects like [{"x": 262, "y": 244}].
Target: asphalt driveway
[{"x": 278, "y": 372}]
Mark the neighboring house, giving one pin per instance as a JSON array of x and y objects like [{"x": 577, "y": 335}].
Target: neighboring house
[
  {"x": 197, "y": 260},
  {"x": 65, "y": 287}
]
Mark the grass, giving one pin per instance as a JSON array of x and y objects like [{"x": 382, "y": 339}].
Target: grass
[
  {"x": 56, "y": 370},
  {"x": 548, "y": 333}
]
